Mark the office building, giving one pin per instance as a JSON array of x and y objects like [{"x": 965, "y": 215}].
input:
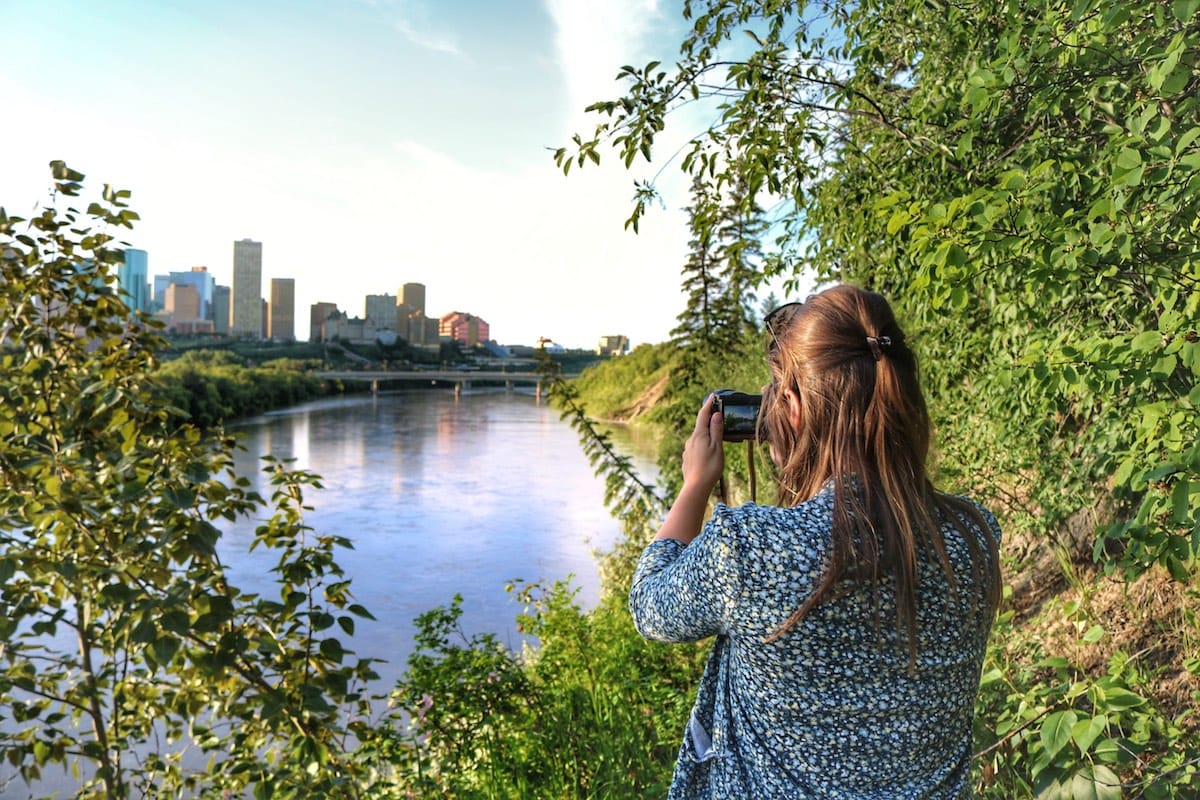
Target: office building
[
  {"x": 220, "y": 310},
  {"x": 245, "y": 296},
  {"x": 182, "y": 302},
  {"x": 283, "y": 310},
  {"x": 413, "y": 296},
  {"x": 317, "y": 314},
  {"x": 198, "y": 277},
  {"x": 411, "y": 322},
  {"x": 133, "y": 276},
  {"x": 381, "y": 310},
  {"x": 466, "y": 329}
]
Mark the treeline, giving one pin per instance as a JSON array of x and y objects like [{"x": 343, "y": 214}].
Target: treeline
[{"x": 214, "y": 386}]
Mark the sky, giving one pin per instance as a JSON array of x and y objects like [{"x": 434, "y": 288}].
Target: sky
[{"x": 365, "y": 143}]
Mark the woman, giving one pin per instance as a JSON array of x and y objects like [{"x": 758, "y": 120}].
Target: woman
[{"x": 851, "y": 620}]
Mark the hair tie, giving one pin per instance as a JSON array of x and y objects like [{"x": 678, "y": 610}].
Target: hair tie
[{"x": 878, "y": 344}]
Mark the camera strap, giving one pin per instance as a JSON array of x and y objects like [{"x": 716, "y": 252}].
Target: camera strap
[
  {"x": 722, "y": 495},
  {"x": 750, "y": 462}
]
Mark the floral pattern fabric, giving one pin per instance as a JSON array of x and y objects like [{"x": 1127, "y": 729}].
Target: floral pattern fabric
[{"x": 833, "y": 708}]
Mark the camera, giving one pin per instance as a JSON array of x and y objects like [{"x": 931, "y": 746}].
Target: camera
[{"x": 739, "y": 414}]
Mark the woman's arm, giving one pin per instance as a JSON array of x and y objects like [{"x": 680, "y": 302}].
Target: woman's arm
[
  {"x": 681, "y": 592},
  {"x": 703, "y": 462}
]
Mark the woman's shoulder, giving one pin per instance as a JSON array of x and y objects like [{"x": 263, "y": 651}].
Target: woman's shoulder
[{"x": 752, "y": 523}]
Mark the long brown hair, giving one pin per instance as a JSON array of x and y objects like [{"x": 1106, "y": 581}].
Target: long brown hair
[{"x": 864, "y": 427}]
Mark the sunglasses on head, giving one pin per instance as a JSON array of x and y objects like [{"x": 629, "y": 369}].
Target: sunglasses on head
[{"x": 777, "y": 320}]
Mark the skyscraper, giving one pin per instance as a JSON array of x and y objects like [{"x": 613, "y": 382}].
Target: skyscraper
[
  {"x": 410, "y": 315},
  {"x": 221, "y": 309},
  {"x": 245, "y": 296},
  {"x": 133, "y": 277},
  {"x": 283, "y": 310},
  {"x": 413, "y": 296}
]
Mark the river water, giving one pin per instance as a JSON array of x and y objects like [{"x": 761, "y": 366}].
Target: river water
[{"x": 440, "y": 494}]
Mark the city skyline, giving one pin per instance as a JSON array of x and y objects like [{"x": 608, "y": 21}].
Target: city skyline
[
  {"x": 363, "y": 140},
  {"x": 184, "y": 298}
]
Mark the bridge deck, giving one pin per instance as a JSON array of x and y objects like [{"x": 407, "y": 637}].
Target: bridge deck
[{"x": 454, "y": 375}]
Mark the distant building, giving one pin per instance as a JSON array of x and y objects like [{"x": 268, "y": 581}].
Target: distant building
[
  {"x": 612, "y": 346},
  {"x": 283, "y": 310},
  {"x": 317, "y": 313},
  {"x": 339, "y": 325},
  {"x": 381, "y": 309},
  {"x": 413, "y": 296},
  {"x": 466, "y": 329},
  {"x": 245, "y": 297},
  {"x": 421, "y": 329},
  {"x": 550, "y": 346},
  {"x": 183, "y": 302},
  {"x": 133, "y": 279},
  {"x": 181, "y": 310},
  {"x": 412, "y": 321},
  {"x": 220, "y": 310},
  {"x": 264, "y": 317},
  {"x": 198, "y": 277}
]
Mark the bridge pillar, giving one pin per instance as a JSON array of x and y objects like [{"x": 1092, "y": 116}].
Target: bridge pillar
[
  {"x": 374, "y": 387},
  {"x": 537, "y": 391},
  {"x": 508, "y": 386}
]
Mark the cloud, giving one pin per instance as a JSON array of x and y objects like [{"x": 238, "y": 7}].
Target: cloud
[
  {"x": 427, "y": 39},
  {"x": 410, "y": 18},
  {"x": 594, "y": 39}
]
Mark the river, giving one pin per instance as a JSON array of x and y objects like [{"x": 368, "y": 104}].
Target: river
[{"x": 440, "y": 494}]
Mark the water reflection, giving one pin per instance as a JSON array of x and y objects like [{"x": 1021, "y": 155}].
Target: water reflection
[{"x": 440, "y": 495}]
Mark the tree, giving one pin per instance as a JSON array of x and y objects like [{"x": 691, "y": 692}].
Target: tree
[
  {"x": 122, "y": 642},
  {"x": 1022, "y": 179}
]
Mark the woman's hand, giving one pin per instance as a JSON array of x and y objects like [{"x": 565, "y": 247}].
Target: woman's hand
[
  {"x": 704, "y": 453},
  {"x": 703, "y": 462}
]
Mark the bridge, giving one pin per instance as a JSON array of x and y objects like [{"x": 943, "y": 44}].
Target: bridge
[{"x": 461, "y": 378}]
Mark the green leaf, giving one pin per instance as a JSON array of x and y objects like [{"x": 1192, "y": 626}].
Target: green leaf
[
  {"x": 1056, "y": 731},
  {"x": 1185, "y": 10},
  {"x": 1084, "y": 732},
  {"x": 1129, "y": 158},
  {"x": 1180, "y": 497},
  {"x": 1115, "y": 698},
  {"x": 1146, "y": 341},
  {"x": 1096, "y": 782}
]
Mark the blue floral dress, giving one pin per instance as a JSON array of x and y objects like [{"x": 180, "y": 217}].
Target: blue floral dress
[{"x": 829, "y": 710}]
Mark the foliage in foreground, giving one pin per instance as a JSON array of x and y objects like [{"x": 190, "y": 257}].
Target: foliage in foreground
[{"x": 126, "y": 655}]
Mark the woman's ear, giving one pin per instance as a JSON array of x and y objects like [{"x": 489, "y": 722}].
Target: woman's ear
[{"x": 792, "y": 404}]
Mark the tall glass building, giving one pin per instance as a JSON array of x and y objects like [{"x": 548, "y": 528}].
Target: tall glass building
[{"x": 133, "y": 279}]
